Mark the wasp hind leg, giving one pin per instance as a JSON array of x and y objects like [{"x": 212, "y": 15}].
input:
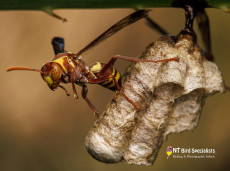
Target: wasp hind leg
[
  {"x": 107, "y": 77},
  {"x": 127, "y": 98},
  {"x": 84, "y": 96},
  {"x": 135, "y": 60}
]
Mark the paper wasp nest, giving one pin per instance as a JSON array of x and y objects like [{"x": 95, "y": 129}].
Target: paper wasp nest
[{"x": 171, "y": 95}]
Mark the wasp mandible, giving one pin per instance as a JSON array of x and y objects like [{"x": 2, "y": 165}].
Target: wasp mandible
[{"x": 68, "y": 67}]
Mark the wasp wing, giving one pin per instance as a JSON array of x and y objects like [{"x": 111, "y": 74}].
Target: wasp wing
[
  {"x": 114, "y": 29},
  {"x": 58, "y": 45},
  {"x": 203, "y": 24}
]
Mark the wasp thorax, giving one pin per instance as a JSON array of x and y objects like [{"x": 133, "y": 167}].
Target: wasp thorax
[{"x": 52, "y": 74}]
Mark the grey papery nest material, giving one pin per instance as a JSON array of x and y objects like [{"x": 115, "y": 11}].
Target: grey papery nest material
[{"x": 171, "y": 95}]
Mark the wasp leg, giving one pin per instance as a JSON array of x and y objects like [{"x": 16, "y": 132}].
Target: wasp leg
[
  {"x": 66, "y": 92},
  {"x": 105, "y": 78},
  {"x": 75, "y": 96},
  {"x": 136, "y": 60},
  {"x": 84, "y": 95},
  {"x": 127, "y": 98}
]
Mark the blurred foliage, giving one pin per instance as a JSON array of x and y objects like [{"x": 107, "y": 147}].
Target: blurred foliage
[{"x": 57, "y": 4}]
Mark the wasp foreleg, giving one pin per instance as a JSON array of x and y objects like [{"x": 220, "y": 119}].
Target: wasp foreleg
[{"x": 66, "y": 92}]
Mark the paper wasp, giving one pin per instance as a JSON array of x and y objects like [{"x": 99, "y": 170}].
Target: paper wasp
[{"x": 68, "y": 67}]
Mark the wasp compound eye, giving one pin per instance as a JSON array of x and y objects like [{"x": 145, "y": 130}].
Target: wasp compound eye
[
  {"x": 51, "y": 74},
  {"x": 55, "y": 71}
]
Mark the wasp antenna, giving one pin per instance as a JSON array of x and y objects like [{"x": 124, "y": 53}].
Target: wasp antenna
[{"x": 24, "y": 68}]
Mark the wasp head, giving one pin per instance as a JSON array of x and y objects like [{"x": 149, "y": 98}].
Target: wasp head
[{"x": 51, "y": 74}]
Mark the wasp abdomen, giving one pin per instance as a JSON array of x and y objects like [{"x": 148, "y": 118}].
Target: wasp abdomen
[{"x": 96, "y": 67}]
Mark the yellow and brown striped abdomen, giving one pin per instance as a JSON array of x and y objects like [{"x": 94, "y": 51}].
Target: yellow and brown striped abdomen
[{"x": 96, "y": 67}]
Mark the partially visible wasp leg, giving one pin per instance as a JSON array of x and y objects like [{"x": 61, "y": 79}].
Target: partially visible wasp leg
[
  {"x": 127, "y": 98},
  {"x": 136, "y": 60},
  {"x": 100, "y": 79},
  {"x": 107, "y": 77},
  {"x": 203, "y": 24},
  {"x": 84, "y": 96},
  {"x": 75, "y": 96},
  {"x": 66, "y": 92}
]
